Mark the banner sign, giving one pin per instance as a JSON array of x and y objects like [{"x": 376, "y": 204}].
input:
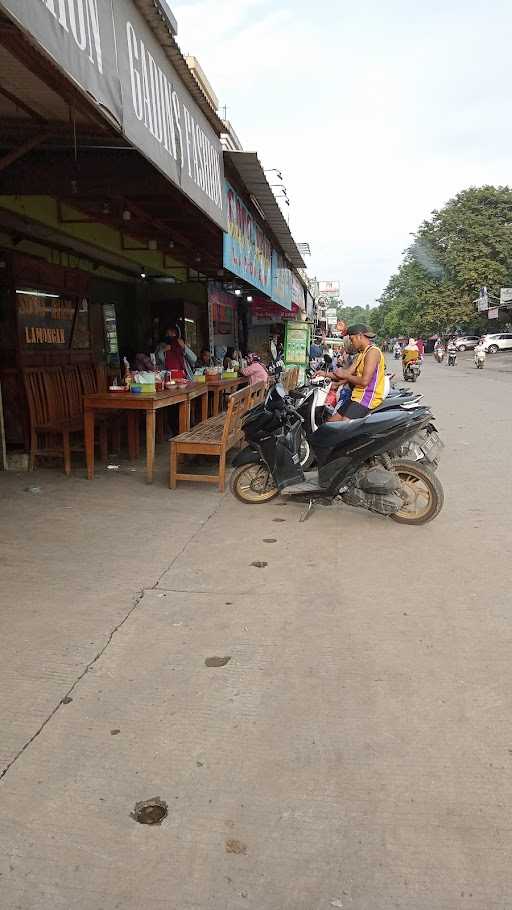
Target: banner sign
[
  {"x": 281, "y": 281},
  {"x": 263, "y": 312},
  {"x": 44, "y": 321},
  {"x": 79, "y": 36},
  {"x": 109, "y": 50},
  {"x": 247, "y": 251},
  {"x": 505, "y": 296},
  {"x": 162, "y": 119},
  {"x": 483, "y": 300},
  {"x": 296, "y": 344},
  {"x": 493, "y": 312}
]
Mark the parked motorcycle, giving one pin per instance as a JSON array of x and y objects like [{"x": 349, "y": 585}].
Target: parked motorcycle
[
  {"x": 452, "y": 358},
  {"x": 356, "y": 458},
  {"x": 412, "y": 371},
  {"x": 479, "y": 359},
  {"x": 310, "y": 402}
]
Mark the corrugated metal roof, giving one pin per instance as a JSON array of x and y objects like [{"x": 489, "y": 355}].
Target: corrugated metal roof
[
  {"x": 160, "y": 29},
  {"x": 249, "y": 169}
]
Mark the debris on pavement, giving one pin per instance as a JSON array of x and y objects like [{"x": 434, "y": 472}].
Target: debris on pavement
[
  {"x": 217, "y": 661},
  {"x": 237, "y": 847},
  {"x": 150, "y": 811}
]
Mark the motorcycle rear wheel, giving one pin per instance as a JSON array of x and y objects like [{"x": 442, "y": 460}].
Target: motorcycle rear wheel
[
  {"x": 424, "y": 493},
  {"x": 253, "y": 484},
  {"x": 306, "y": 455}
]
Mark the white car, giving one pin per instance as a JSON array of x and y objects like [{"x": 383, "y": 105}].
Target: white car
[{"x": 501, "y": 341}]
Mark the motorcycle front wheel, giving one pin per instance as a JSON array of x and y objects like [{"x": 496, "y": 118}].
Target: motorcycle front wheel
[
  {"x": 422, "y": 494},
  {"x": 253, "y": 483}
]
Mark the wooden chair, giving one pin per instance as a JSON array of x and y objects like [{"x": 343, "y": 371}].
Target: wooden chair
[
  {"x": 94, "y": 379},
  {"x": 49, "y": 418},
  {"x": 213, "y": 437}
]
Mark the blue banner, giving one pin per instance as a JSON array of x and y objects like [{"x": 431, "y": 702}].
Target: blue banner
[
  {"x": 282, "y": 283},
  {"x": 247, "y": 251}
]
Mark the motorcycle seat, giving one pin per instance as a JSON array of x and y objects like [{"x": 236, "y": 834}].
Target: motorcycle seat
[{"x": 330, "y": 435}]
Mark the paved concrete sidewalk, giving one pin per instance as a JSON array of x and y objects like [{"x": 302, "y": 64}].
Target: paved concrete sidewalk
[{"x": 354, "y": 751}]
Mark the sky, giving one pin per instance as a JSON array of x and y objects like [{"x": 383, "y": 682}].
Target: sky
[{"x": 375, "y": 112}]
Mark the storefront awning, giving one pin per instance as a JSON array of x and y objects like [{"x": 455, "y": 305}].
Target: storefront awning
[{"x": 248, "y": 167}]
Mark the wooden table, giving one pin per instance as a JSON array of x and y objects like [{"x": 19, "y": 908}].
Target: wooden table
[
  {"x": 127, "y": 401},
  {"x": 218, "y": 388}
]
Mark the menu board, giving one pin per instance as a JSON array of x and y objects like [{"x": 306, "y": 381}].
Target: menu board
[{"x": 296, "y": 344}]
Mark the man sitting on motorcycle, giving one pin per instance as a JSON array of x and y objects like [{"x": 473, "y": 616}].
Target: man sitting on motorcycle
[{"x": 366, "y": 376}]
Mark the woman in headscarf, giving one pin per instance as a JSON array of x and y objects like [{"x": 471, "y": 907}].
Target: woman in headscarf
[{"x": 173, "y": 353}]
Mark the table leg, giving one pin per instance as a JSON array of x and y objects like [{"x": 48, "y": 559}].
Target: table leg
[
  {"x": 89, "y": 442},
  {"x": 216, "y": 402},
  {"x": 184, "y": 416},
  {"x": 133, "y": 433},
  {"x": 204, "y": 407},
  {"x": 150, "y": 445}
]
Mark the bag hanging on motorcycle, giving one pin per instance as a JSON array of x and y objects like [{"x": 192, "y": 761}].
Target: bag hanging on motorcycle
[{"x": 281, "y": 452}]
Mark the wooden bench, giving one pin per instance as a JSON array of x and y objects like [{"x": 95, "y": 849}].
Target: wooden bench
[{"x": 214, "y": 437}]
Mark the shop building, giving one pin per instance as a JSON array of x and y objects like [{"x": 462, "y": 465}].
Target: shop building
[
  {"x": 126, "y": 203},
  {"x": 112, "y": 208}
]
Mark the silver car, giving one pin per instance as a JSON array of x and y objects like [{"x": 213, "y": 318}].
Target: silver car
[
  {"x": 501, "y": 341},
  {"x": 466, "y": 342}
]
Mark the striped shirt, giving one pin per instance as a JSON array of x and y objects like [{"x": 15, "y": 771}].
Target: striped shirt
[{"x": 373, "y": 395}]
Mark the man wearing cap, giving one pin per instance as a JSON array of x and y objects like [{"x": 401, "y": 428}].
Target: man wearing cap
[{"x": 366, "y": 376}]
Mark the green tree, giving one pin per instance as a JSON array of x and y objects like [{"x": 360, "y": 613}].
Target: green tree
[{"x": 463, "y": 246}]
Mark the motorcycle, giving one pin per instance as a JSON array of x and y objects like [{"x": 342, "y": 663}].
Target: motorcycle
[
  {"x": 310, "y": 402},
  {"x": 356, "y": 459},
  {"x": 439, "y": 355},
  {"x": 479, "y": 359},
  {"x": 412, "y": 370},
  {"x": 452, "y": 358},
  {"x": 397, "y": 355}
]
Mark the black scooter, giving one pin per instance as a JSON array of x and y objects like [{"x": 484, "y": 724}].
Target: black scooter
[
  {"x": 306, "y": 400},
  {"x": 356, "y": 461}
]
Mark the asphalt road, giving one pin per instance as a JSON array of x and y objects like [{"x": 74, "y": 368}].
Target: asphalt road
[{"x": 354, "y": 751}]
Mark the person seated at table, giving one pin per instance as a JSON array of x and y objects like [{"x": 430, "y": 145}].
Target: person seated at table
[
  {"x": 229, "y": 359},
  {"x": 175, "y": 354},
  {"x": 143, "y": 363},
  {"x": 205, "y": 358},
  {"x": 254, "y": 371}
]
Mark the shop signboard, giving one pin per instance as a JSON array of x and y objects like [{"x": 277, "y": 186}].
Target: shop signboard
[
  {"x": 161, "y": 118},
  {"x": 483, "y": 300},
  {"x": 296, "y": 343},
  {"x": 44, "y": 320},
  {"x": 506, "y": 296},
  {"x": 79, "y": 36},
  {"x": 282, "y": 286},
  {"x": 329, "y": 288},
  {"x": 264, "y": 312},
  {"x": 493, "y": 312},
  {"x": 247, "y": 251}
]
